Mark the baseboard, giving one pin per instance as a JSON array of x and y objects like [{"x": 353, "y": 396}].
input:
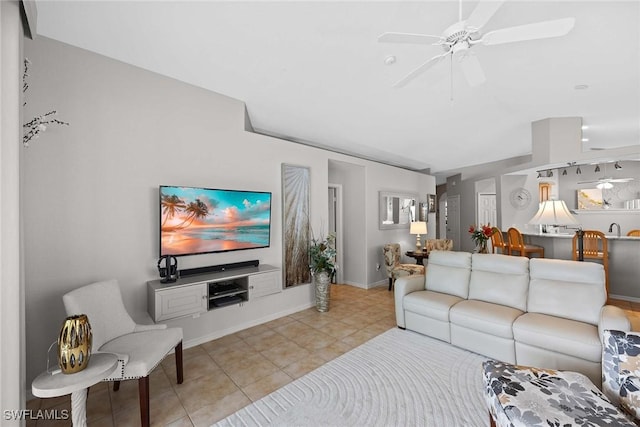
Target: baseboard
[
  {"x": 625, "y": 298},
  {"x": 367, "y": 286},
  {"x": 354, "y": 284},
  {"x": 380, "y": 284}
]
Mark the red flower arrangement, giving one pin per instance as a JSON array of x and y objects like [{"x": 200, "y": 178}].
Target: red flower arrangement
[{"x": 481, "y": 234}]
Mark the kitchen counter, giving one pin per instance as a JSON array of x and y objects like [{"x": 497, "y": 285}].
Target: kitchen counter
[
  {"x": 624, "y": 259},
  {"x": 570, "y": 236}
]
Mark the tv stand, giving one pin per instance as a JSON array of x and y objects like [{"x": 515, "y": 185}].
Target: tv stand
[{"x": 197, "y": 294}]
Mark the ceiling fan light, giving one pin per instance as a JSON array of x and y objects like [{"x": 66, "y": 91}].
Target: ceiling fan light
[{"x": 604, "y": 185}]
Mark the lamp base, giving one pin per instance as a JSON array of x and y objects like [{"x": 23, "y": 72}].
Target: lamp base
[{"x": 418, "y": 249}]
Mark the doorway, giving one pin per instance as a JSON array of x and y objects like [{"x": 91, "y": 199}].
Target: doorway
[{"x": 335, "y": 226}]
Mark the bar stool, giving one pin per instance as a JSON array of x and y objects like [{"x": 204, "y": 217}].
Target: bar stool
[
  {"x": 497, "y": 242},
  {"x": 516, "y": 243},
  {"x": 595, "y": 246}
]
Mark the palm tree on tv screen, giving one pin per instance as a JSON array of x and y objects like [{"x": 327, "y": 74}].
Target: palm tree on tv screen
[
  {"x": 195, "y": 210},
  {"x": 171, "y": 205}
]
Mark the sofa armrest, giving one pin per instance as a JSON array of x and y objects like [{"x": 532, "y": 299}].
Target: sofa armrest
[
  {"x": 403, "y": 286},
  {"x": 613, "y": 318}
]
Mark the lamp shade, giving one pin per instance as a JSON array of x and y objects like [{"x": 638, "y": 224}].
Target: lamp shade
[
  {"x": 418, "y": 227},
  {"x": 553, "y": 212}
]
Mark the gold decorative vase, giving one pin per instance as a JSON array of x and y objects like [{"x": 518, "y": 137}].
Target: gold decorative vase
[{"x": 74, "y": 344}]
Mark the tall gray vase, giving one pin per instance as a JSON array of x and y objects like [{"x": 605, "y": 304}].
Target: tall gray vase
[{"x": 322, "y": 282}]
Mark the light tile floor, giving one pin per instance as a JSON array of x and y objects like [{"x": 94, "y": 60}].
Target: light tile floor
[{"x": 224, "y": 375}]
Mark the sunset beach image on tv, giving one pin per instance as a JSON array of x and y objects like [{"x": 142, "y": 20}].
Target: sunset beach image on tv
[{"x": 202, "y": 220}]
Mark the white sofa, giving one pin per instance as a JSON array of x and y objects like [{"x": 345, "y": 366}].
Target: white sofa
[{"x": 541, "y": 312}]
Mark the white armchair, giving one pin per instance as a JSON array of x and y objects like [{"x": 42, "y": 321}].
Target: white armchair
[{"x": 140, "y": 348}]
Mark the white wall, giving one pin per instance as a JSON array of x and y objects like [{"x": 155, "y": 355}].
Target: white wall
[
  {"x": 91, "y": 188},
  {"x": 12, "y": 329}
]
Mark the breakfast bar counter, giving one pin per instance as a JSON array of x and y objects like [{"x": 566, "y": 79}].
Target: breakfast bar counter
[{"x": 624, "y": 259}]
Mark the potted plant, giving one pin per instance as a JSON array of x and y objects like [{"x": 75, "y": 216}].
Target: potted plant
[
  {"x": 322, "y": 257},
  {"x": 480, "y": 236}
]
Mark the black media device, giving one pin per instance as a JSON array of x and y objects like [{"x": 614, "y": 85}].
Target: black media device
[
  {"x": 218, "y": 268},
  {"x": 168, "y": 268}
]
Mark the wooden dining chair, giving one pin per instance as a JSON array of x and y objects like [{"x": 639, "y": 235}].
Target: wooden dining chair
[
  {"x": 516, "y": 244},
  {"x": 497, "y": 242},
  {"x": 594, "y": 246},
  {"x": 634, "y": 233}
]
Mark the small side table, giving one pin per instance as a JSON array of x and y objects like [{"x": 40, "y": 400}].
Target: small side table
[
  {"x": 419, "y": 257},
  {"x": 58, "y": 384}
]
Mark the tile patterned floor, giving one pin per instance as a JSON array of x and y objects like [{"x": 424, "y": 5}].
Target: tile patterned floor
[{"x": 226, "y": 374}]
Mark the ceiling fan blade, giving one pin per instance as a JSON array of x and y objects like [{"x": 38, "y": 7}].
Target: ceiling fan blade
[
  {"x": 472, "y": 69},
  {"x": 421, "y": 69},
  {"x": 481, "y": 14},
  {"x": 539, "y": 30},
  {"x": 408, "y": 38},
  {"x": 606, "y": 179}
]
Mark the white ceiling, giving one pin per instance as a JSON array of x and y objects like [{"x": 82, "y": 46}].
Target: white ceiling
[{"x": 314, "y": 72}]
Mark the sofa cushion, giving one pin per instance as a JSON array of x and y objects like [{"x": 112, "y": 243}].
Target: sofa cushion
[
  {"x": 560, "y": 335},
  {"x": 448, "y": 272},
  {"x": 485, "y": 317},
  {"x": 500, "y": 279},
  {"x": 570, "y": 289},
  {"x": 431, "y": 304}
]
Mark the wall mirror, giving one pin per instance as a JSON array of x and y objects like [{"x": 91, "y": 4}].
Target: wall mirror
[{"x": 397, "y": 210}]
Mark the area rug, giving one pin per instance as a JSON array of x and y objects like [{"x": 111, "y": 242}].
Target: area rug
[{"x": 399, "y": 378}]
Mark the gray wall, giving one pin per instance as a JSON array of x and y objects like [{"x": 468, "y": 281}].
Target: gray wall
[
  {"x": 12, "y": 329},
  {"x": 90, "y": 189},
  {"x": 351, "y": 177}
]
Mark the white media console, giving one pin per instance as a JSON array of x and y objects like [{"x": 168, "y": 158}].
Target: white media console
[{"x": 198, "y": 294}]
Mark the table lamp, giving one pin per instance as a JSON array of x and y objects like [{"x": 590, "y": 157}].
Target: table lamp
[
  {"x": 555, "y": 212},
  {"x": 418, "y": 228}
]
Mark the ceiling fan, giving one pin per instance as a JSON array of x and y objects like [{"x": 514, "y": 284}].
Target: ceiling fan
[
  {"x": 605, "y": 182},
  {"x": 465, "y": 34}
]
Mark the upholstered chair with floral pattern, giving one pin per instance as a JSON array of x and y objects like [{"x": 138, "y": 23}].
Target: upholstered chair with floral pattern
[
  {"x": 438, "y": 245},
  {"x": 391, "y": 253},
  {"x": 621, "y": 370},
  {"x": 527, "y": 396}
]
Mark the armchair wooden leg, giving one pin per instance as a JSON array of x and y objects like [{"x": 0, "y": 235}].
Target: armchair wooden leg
[
  {"x": 116, "y": 385},
  {"x": 179, "y": 371},
  {"x": 492, "y": 423},
  {"x": 143, "y": 391}
]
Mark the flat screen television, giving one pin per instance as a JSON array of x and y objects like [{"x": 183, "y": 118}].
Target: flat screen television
[{"x": 204, "y": 220}]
